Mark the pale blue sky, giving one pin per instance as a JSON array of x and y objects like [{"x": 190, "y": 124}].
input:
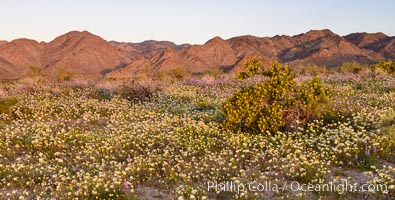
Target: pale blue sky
[{"x": 190, "y": 21}]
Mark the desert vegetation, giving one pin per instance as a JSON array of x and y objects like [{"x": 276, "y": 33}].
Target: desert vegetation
[
  {"x": 123, "y": 139},
  {"x": 276, "y": 103}
]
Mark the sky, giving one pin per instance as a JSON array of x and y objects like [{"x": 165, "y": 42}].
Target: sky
[{"x": 188, "y": 21}]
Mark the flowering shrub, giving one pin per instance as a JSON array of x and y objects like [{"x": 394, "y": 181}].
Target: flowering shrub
[
  {"x": 387, "y": 66},
  {"x": 314, "y": 97},
  {"x": 273, "y": 104}
]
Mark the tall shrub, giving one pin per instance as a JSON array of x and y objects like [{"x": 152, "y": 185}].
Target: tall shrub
[{"x": 273, "y": 104}]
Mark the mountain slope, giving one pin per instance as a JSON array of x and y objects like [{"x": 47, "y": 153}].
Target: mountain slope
[
  {"x": 18, "y": 56},
  {"x": 83, "y": 53},
  {"x": 316, "y": 47},
  {"x": 330, "y": 50},
  {"x": 138, "y": 50},
  {"x": 377, "y": 42},
  {"x": 363, "y": 40},
  {"x": 88, "y": 55}
]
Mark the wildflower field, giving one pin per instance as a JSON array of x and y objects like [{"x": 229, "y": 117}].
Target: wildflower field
[{"x": 73, "y": 142}]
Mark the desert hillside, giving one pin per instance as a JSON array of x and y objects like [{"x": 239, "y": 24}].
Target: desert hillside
[{"x": 87, "y": 55}]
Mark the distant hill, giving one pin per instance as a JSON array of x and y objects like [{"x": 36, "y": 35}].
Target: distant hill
[{"x": 88, "y": 55}]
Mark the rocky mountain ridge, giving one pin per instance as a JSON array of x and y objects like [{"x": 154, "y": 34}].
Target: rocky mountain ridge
[{"x": 86, "y": 55}]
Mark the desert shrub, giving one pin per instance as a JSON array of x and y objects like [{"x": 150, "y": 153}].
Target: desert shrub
[
  {"x": 210, "y": 72},
  {"x": 62, "y": 75},
  {"x": 273, "y": 104},
  {"x": 252, "y": 67},
  {"x": 351, "y": 67},
  {"x": 36, "y": 75},
  {"x": 387, "y": 66},
  {"x": 6, "y": 104},
  {"x": 177, "y": 73},
  {"x": 135, "y": 91},
  {"x": 214, "y": 72},
  {"x": 310, "y": 70},
  {"x": 312, "y": 94}
]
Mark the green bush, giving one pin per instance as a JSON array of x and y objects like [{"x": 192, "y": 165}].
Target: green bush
[
  {"x": 387, "y": 66},
  {"x": 252, "y": 67},
  {"x": 6, "y": 104},
  {"x": 274, "y": 104},
  {"x": 314, "y": 96}
]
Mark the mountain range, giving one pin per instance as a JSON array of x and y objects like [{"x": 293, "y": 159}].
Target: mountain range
[{"x": 87, "y": 55}]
